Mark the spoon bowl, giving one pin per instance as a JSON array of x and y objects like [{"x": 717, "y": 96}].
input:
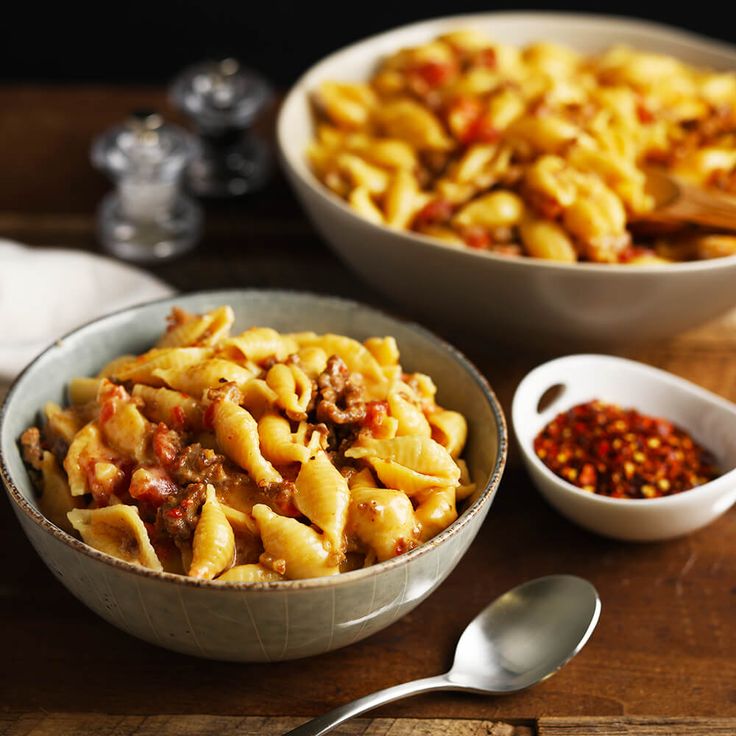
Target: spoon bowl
[
  {"x": 520, "y": 639},
  {"x": 526, "y": 635}
]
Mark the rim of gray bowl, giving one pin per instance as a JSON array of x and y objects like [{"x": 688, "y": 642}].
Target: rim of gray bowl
[
  {"x": 307, "y": 177},
  {"x": 308, "y": 583}
]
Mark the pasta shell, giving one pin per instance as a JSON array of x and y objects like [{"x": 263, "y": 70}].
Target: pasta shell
[
  {"x": 123, "y": 426},
  {"x": 237, "y": 435},
  {"x": 117, "y": 531},
  {"x": 357, "y": 358},
  {"x": 259, "y": 343},
  {"x": 87, "y": 449},
  {"x": 196, "y": 379},
  {"x": 111, "y": 368},
  {"x": 362, "y": 479},
  {"x": 382, "y": 520},
  {"x": 293, "y": 389},
  {"x": 312, "y": 360},
  {"x": 258, "y": 397},
  {"x": 322, "y": 495},
  {"x": 141, "y": 369},
  {"x": 297, "y": 544},
  {"x": 56, "y": 500},
  {"x": 62, "y": 423},
  {"x": 277, "y": 442},
  {"x": 174, "y": 408},
  {"x": 83, "y": 390},
  {"x": 411, "y": 464},
  {"x": 249, "y": 574},
  {"x": 239, "y": 520},
  {"x": 201, "y": 330},
  {"x": 466, "y": 487},
  {"x": 411, "y": 419},
  {"x": 213, "y": 546},
  {"x": 384, "y": 350},
  {"x": 436, "y": 512},
  {"x": 450, "y": 429}
]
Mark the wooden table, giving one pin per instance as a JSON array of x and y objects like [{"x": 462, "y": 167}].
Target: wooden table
[{"x": 663, "y": 659}]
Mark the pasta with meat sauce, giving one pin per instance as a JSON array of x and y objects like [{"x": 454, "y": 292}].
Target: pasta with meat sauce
[
  {"x": 538, "y": 151},
  {"x": 250, "y": 458}
]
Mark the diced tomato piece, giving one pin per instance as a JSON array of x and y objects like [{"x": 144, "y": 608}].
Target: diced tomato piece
[
  {"x": 152, "y": 486},
  {"x": 434, "y": 73},
  {"x": 375, "y": 415},
  {"x": 477, "y": 237},
  {"x": 463, "y": 112},
  {"x": 487, "y": 57},
  {"x": 107, "y": 411},
  {"x": 644, "y": 114},
  {"x": 180, "y": 418},
  {"x": 434, "y": 212},
  {"x": 166, "y": 444},
  {"x": 481, "y": 130}
]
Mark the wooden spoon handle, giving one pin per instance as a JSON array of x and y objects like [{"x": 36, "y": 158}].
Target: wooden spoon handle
[{"x": 699, "y": 206}]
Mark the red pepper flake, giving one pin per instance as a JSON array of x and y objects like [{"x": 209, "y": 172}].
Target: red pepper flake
[{"x": 621, "y": 453}]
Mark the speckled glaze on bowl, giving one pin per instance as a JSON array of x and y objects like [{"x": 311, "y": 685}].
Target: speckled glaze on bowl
[
  {"x": 518, "y": 298},
  {"x": 265, "y": 621}
]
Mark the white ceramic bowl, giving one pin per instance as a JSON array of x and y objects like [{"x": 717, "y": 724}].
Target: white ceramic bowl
[
  {"x": 523, "y": 298},
  {"x": 266, "y": 621},
  {"x": 710, "y": 420}
]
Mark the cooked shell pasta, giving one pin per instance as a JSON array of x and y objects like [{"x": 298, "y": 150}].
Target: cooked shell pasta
[
  {"x": 252, "y": 573},
  {"x": 382, "y": 520},
  {"x": 256, "y": 458},
  {"x": 237, "y": 435},
  {"x": 213, "y": 546},
  {"x": 57, "y": 500},
  {"x": 300, "y": 547},
  {"x": 118, "y": 531},
  {"x": 322, "y": 495},
  {"x": 198, "y": 330},
  {"x": 537, "y": 151}
]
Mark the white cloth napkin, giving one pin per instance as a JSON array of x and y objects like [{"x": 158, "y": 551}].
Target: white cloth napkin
[{"x": 45, "y": 293}]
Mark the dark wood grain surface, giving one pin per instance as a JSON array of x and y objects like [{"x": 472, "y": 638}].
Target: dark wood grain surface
[{"x": 665, "y": 645}]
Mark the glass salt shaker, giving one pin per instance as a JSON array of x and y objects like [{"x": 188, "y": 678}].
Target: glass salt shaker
[
  {"x": 224, "y": 99},
  {"x": 148, "y": 218}
]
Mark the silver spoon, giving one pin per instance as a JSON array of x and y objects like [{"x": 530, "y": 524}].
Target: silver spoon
[{"x": 520, "y": 639}]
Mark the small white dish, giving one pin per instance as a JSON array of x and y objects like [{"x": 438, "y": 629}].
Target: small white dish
[{"x": 710, "y": 420}]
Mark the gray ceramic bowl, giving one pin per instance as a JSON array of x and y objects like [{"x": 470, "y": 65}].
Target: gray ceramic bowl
[{"x": 265, "y": 621}]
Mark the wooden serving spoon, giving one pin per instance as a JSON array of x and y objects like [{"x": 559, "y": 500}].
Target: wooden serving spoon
[{"x": 680, "y": 202}]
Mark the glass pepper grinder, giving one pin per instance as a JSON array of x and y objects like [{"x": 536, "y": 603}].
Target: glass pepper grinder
[
  {"x": 224, "y": 99},
  {"x": 147, "y": 218}
]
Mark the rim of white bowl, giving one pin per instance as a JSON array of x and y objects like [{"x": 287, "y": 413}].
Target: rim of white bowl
[
  {"x": 303, "y": 172},
  {"x": 484, "y": 497},
  {"x": 659, "y": 374}
]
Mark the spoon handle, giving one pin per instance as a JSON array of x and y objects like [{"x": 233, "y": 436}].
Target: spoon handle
[
  {"x": 328, "y": 721},
  {"x": 701, "y": 206}
]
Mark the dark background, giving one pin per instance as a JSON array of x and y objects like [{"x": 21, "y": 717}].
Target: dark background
[{"x": 149, "y": 42}]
